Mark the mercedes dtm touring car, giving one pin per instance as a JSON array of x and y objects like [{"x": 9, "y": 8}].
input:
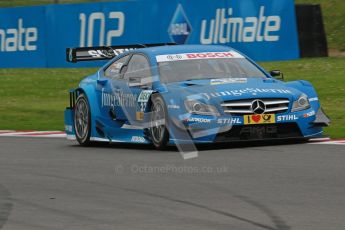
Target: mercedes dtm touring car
[{"x": 170, "y": 94}]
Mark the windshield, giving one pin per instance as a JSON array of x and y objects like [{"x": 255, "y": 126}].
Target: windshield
[{"x": 184, "y": 70}]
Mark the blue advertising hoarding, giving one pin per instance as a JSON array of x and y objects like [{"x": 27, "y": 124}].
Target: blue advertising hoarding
[
  {"x": 22, "y": 37},
  {"x": 265, "y": 30}
]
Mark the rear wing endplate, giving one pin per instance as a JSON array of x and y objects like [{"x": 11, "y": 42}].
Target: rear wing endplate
[{"x": 103, "y": 52}]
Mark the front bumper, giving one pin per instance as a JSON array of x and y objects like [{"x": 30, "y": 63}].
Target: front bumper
[
  {"x": 207, "y": 129},
  {"x": 321, "y": 120}
]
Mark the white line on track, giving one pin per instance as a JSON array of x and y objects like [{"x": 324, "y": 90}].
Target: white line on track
[
  {"x": 30, "y": 133},
  {"x": 60, "y": 134}
]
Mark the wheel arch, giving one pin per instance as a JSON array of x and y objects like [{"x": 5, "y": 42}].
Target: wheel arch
[{"x": 90, "y": 94}]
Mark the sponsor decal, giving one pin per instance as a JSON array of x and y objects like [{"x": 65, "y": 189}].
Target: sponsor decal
[
  {"x": 145, "y": 95},
  {"x": 309, "y": 114},
  {"x": 225, "y": 121},
  {"x": 180, "y": 27},
  {"x": 106, "y": 53},
  {"x": 258, "y": 130},
  {"x": 313, "y": 99},
  {"x": 193, "y": 56},
  {"x": 139, "y": 116},
  {"x": 138, "y": 139},
  {"x": 143, "y": 98},
  {"x": 68, "y": 128},
  {"x": 119, "y": 98},
  {"x": 259, "y": 119},
  {"x": 226, "y": 28},
  {"x": 227, "y": 81},
  {"x": 173, "y": 107},
  {"x": 100, "y": 53},
  {"x": 240, "y": 92},
  {"x": 213, "y": 55},
  {"x": 199, "y": 120},
  {"x": 19, "y": 38},
  {"x": 287, "y": 118}
]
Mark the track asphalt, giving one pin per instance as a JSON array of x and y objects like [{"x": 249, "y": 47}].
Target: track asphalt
[{"x": 51, "y": 183}]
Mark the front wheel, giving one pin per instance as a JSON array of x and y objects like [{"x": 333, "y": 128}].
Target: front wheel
[
  {"x": 82, "y": 120},
  {"x": 158, "y": 123}
]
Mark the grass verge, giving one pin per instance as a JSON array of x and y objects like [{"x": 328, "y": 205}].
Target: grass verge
[{"x": 36, "y": 98}]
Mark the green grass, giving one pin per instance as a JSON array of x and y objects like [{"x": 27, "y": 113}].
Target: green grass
[
  {"x": 13, "y": 3},
  {"x": 36, "y": 98}
]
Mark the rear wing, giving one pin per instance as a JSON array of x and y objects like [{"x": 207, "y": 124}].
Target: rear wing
[{"x": 103, "y": 52}]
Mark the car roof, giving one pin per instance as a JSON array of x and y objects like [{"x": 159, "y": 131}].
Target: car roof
[{"x": 175, "y": 49}]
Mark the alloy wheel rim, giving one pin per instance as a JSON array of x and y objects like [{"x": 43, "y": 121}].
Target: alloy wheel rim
[
  {"x": 81, "y": 119},
  {"x": 157, "y": 123}
]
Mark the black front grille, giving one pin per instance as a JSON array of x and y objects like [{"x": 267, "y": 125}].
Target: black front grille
[{"x": 260, "y": 132}]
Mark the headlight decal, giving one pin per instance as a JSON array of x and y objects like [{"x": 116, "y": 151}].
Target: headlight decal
[
  {"x": 301, "y": 103},
  {"x": 197, "y": 107}
]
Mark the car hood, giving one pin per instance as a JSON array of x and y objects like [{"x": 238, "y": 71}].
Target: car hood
[{"x": 234, "y": 89}]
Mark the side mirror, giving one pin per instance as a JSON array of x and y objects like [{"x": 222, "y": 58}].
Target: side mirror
[
  {"x": 277, "y": 74},
  {"x": 122, "y": 71}
]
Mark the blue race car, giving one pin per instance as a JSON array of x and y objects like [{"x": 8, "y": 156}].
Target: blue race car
[{"x": 176, "y": 94}]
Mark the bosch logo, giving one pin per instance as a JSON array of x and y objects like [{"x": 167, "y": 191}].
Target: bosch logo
[
  {"x": 180, "y": 28},
  {"x": 258, "y": 107}
]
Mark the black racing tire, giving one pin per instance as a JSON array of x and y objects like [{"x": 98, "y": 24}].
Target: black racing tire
[
  {"x": 158, "y": 123},
  {"x": 82, "y": 120}
]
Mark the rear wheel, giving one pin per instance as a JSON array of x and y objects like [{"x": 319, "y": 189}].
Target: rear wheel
[
  {"x": 158, "y": 123},
  {"x": 82, "y": 120}
]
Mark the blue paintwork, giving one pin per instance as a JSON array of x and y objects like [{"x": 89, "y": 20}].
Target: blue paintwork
[{"x": 121, "y": 130}]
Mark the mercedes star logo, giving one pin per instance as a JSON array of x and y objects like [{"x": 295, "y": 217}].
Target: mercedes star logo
[{"x": 258, "y": 107}]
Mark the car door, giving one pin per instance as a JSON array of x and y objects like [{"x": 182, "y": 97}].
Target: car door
[
  {"x": 109, "y": 90},
  {"x": 138, "y": 78},
  {"x": 125, "y": 89}
]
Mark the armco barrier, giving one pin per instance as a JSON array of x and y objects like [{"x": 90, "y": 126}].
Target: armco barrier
[{"x": 37, "y": 36}]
